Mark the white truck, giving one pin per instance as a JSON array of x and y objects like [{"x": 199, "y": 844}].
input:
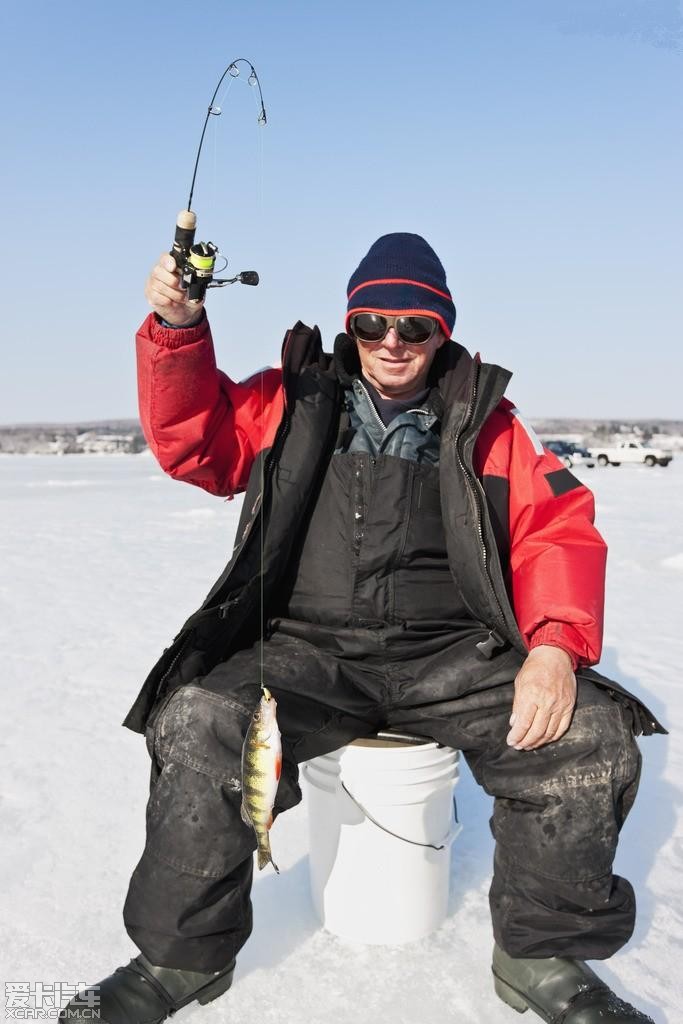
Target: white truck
[{"x": 631, "y": 451}]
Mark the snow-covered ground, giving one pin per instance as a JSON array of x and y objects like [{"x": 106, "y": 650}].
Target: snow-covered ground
[{"x": 101, "y": 560}]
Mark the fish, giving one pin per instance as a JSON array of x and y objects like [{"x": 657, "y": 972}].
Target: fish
[{"x": 261, "y": 770}]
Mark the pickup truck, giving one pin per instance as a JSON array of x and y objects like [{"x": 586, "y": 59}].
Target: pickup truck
[
  {"x": 573, "y": 455},
  {"x": 631, "y": 451}
]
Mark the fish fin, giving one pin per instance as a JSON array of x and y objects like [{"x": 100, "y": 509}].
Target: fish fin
[
  {"x": 265, "y": 857},
  {"x": 278, "y": 767},
  {"x": 244, "y": 814},
  {"x": 269, "y": 823}
]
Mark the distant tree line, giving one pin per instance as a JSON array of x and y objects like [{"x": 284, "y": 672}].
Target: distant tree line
[
  {"x": 73, "y": 438},
  {"x": 126, "y": 435}
]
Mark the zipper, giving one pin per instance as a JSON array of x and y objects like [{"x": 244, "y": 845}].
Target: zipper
[
  {"x": 376, "y": 415},
  {"x": 358, "y": 508},
  {"x": 173, "y": 664},
  {"x": 476, "y": 489},
  {"x": 374, "y": 412}
]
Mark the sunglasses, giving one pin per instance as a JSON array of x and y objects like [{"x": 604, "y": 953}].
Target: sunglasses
[{"x": 411, "y": 330}]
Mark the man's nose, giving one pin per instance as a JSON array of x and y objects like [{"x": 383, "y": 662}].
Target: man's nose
[{"x": 391, "y": 339}]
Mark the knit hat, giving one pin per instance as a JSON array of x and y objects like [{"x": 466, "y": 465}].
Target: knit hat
[{"x": 401, "y": 275}]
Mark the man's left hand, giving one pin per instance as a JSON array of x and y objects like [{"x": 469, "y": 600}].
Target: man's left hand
[{"x": 545, "y": 695}]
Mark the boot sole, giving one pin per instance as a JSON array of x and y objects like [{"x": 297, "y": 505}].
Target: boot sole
[
  {"x": 213, "y": 990},
  {"x": 509, "y": 995},
  {"x": 204, "y": 995},
  {"x": 515, "y": 999}
]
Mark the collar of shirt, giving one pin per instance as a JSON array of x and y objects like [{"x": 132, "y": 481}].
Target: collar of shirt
[{"x": 390, "y": 408}]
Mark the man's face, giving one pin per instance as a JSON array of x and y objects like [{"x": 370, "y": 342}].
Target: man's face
[{"x": 397, "y": 369}]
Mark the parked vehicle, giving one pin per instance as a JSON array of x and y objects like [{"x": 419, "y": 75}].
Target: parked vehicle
[
  {"x": 572, "y": 455},
  {"x": 632, "y": 451}
]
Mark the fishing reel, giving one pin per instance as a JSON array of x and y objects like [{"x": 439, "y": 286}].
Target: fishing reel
[{"x": 197, "y": 261}]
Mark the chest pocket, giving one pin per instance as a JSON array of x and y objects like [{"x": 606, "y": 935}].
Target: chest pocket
[{"x": 428, "y": 498}]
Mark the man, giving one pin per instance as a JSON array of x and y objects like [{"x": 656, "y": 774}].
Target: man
[{"x": 408, "y": 556}]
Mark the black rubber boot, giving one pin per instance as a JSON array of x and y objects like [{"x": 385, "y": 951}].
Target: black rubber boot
[
  {"x": 561, "y": 991},
  {"x": 144, "y": 994}
]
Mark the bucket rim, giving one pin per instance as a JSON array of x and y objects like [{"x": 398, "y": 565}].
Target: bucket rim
[
  {"x": 426, "y": 754},
  {"x": 402, "y": 774}
]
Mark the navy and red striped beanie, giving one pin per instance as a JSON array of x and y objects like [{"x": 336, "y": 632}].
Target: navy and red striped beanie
[{"x": 400, "y": 275}]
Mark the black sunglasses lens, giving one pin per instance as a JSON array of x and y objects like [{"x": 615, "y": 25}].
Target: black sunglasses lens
[
  {"x": 412, "y": 330},
  {"x": 415, "y": 330},
  {"x": 369, "y": 326}
]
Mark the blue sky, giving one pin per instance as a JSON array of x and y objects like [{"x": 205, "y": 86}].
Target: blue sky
[{"x": 537, "y": 145}]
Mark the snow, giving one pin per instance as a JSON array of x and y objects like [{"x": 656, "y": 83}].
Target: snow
[
  {"x": 673, "y": 562},
  {"x": 102, "y": 559}
]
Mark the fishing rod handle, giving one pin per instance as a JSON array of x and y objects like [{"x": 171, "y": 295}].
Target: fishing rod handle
[{"x": 186, "y": 224}]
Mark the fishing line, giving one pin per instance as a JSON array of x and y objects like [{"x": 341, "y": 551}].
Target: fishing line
[
  {"x": 222, "y": 99},
  {"x": 261, "y": 487},
  {"x": 259, "y": 135},
  {"x": 215, "y": 111},
  {"x": 261, "y": 177},
  {"x": 226, "y": 93},
  {"x": 196, "y": 262}
]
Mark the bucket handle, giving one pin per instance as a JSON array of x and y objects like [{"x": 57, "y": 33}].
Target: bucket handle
[{"x": 374, "y": 821}]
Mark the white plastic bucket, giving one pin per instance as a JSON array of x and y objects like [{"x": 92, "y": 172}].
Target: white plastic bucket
[{"x": 381, "y": 823}]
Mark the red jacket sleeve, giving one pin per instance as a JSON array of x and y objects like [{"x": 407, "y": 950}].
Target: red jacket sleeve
[
  {"x": 202, "y": 426},
  {"x": 557, "y": 557}
]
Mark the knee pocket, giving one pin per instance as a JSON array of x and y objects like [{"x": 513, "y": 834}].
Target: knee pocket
[
  {"x": 598, "y": 748},
  {"x": 559, "y": 809},
  {"x": 203, "y": 731}
]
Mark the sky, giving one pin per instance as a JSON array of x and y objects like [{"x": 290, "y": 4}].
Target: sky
[{"x": 536, "y": 144}]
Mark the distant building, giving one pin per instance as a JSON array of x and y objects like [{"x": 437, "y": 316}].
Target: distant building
[{"x": 91, "y": 443}]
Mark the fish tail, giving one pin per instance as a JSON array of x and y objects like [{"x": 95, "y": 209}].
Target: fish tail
[{"x": 264, "y": 854}]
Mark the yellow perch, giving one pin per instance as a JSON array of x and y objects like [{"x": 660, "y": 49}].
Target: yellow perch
[{"x": 261, "y": 768}]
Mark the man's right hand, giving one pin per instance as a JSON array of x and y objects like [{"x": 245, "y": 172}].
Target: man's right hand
[{"x": 167, "y": 298}]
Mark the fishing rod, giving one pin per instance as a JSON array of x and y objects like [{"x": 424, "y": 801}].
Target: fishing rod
[{"x": 197, "y": 261}]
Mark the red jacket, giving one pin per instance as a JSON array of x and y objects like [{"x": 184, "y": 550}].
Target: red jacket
[{"x": 207, "y": 429}]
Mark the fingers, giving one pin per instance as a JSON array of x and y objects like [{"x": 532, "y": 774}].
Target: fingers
[
  {"x": 529, "y": 724},
  {"x": 545, "y": 695},
  {"x": 542, "y": 728},
  {"x": 163, "y": 284},
  {"x": 162, "y": 274},
  {"x": 166, "y": 297},
  {"x": 164, "y": 292},
  {"x": 166, "y": 271}
]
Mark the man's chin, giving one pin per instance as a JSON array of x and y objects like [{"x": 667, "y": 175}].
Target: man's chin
[
  {"x": 395, "y": 375},
  {"x": 397, "y": 364},
  {"x": 394, "y": 387}
]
